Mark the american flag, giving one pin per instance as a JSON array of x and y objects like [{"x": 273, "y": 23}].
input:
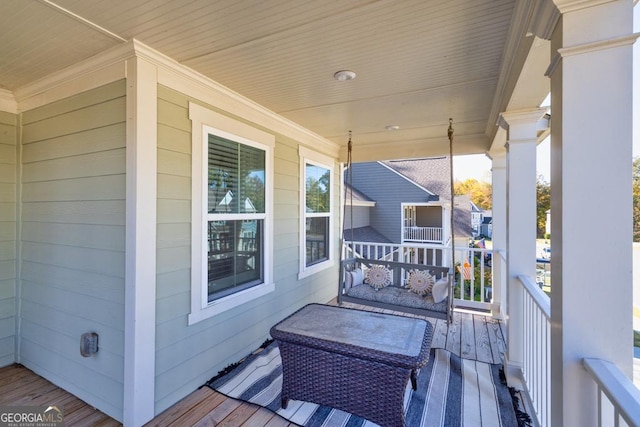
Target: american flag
[{"x": 466, "y": 271}]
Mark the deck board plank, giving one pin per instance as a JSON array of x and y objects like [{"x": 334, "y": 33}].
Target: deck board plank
[
  {"x": 439, "y": 339},
  {"x": 453, "y": 336},
  {"x": 496, "y": 340},
  {"x": 173, "y": 413},
  {"x": 482, "y": 344},
  {"x": 239, "y": 416},
  {"x": 467, "y": 337},
  {"x": 200, "y": 416}
]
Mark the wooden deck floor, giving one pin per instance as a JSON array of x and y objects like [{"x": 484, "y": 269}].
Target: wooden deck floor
[
  {"x": 21, "y": 387},
  {"x": 470, "y": 336}
]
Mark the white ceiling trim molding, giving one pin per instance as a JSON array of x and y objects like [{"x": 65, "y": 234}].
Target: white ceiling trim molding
[
  {"x": 599, "y": 45},
  {"x": 566, "y": 6},
  {"x": 544, "y": 19},
  {"x": 7, "y": 102},
  {"x": 110, "y": 66},
  {"x": 185, "y": 80},
  {"x": 589, "y": 47},
  {"x": 91, "y": 73},
  {"x": 516, "y": 50},
  {"x": 417, "y": 148}
]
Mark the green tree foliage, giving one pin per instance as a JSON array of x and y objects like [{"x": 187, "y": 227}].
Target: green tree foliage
[
  {"x": 318, "y": 193},
  {"x": 543, "y": 197},
  {"x": 478, "y": 191},
  {"x": 636, "y": 199}
]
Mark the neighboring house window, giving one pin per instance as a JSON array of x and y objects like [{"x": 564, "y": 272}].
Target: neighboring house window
[
  {"x": 232, "y": 186},
  {"x": 316, "y": 212}
]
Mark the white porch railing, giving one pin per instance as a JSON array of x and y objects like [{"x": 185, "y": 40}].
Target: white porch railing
[
  {"x": 618, "y": 398},
  {"x": 474, "y": 280},
  {"x": 536, "y": 337},
  {"x": 473, "y": 283},
  {"x": 423, "y": 234}
]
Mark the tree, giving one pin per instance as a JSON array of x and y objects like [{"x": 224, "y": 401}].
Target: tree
[
  {"x": 479, "y": 192},
  {"x": 543, "y": 197},
  {"x": 636, "y": 199}
]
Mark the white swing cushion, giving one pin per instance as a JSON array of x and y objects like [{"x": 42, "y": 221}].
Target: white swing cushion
[
  {"x": 440, "y": 290},
  {"x": 354, "y": 278}
]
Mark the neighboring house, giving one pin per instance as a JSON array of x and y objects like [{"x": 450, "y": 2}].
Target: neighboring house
[
  {"x": 486, "y": 228},
  {"x": 406, "y": 201},
  {"x": 476, "y": 218},
  {"x": 547, "y": 227}
]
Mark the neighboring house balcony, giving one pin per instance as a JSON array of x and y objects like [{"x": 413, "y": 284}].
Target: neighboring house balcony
[
  {"x": 423, "y": 224},
  {"x": 422, "y": 234}
]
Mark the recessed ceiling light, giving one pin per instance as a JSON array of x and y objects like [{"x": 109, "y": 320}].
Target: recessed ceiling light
[
  {"x": 344, "y": 75},
  {"x": 392, "y": 127}
]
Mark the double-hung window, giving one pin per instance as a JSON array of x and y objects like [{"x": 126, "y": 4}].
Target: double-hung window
[
  {"x": 316, "y": 212},
  {"x": 232, "y": 182}
]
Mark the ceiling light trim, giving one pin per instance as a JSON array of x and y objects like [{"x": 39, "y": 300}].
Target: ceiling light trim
[{"x": 344, "y": 75}]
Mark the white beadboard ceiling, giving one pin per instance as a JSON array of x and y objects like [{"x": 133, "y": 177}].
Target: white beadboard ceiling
[{"x": 418, "y": 62}]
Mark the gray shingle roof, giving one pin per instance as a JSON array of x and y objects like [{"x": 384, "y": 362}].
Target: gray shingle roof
[
  {"x": 365, "y": 234},
  {"x": 462, "y": 216},
  {"x": 432, "y": 173}
]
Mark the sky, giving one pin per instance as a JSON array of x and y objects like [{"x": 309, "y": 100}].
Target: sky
[{"x": 479, "y": 166}]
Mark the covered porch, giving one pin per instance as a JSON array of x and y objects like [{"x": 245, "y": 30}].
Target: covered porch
[{"x": 101, "y": 147}]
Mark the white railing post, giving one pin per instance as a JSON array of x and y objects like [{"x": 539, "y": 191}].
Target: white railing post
[
  {"x": 536, "y": 341},
  {"x": 618, "y": 398},
  {"x": 522, "y": 127}
]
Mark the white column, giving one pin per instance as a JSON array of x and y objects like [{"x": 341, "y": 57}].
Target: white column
[
  {"x": 140, "y": 262},
  {"x": 591, "y": 222},
  {"x": 522, "y": 127},
  {"x": 499, "y": 220}
]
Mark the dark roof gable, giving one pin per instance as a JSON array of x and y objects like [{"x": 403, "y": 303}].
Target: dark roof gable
[{"x": 432, "y": 173}]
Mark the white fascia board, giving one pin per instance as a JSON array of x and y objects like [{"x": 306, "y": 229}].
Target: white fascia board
[{"x": 362, "y": 203}]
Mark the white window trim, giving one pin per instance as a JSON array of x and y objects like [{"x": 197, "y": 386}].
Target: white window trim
[
  {"x": 203, "y": 123},
  {"x": 312, "y": 157}
]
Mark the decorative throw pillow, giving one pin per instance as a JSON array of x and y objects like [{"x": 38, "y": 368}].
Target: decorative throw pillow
[
  {"x": 440, "y": 290},
  {"x": 378, "y": 276},
  {"x": 357, "y": 277},
  {"x": 420, "y": 282}
]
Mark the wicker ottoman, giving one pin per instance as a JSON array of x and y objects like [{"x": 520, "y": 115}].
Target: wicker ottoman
[{"x": 353, "y": 360}]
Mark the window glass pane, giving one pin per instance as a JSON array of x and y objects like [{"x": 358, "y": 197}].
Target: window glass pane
[
  {"x": 252, "y": 165},
  {"x": 236, "y": 182},
  {"x": 317, "y": 243},
  {"x": 317, "y": 189},
  {"x": 235, "y": 256}
]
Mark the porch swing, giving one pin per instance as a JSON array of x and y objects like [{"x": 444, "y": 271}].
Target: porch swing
[{"x": 389, "y": 280}]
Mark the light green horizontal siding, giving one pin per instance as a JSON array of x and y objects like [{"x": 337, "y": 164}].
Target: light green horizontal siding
[
  {"x": 8, "y": 233},
  {"x": 187, "y": 356},
  {"x": 73, "y": 242}
]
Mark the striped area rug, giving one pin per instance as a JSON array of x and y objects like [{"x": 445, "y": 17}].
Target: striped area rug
[{"x": 451, "y": 392}]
